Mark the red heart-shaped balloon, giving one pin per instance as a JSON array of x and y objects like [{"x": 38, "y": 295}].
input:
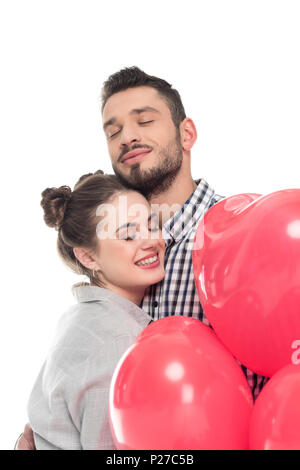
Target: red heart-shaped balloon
[{"x": 246, "y": 261}]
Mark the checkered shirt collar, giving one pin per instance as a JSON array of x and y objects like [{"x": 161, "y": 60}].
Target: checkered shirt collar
[{"x": 185, "y": 218}]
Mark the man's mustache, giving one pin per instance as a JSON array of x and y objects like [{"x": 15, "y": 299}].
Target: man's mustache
[{"x": 133, "y": 147}]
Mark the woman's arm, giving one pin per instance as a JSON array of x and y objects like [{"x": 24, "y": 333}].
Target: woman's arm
[
  {"x": 87, "y": 399},
  {"x": 89, "y": 394}
]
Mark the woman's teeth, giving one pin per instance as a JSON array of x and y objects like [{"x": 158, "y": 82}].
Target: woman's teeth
[{"x": 145, "y": 262}]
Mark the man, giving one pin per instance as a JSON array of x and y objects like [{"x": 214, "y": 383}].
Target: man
[{"x": 149, "y": 141}]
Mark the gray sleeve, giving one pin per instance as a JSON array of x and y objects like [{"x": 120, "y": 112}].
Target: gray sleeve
[
  {"x": 48, "y": 413},
  {"x": 88, "y": 395},
  {"x": 95, "y": 432}
]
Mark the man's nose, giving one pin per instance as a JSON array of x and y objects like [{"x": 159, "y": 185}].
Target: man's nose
[{"x": 130, "y": 135}]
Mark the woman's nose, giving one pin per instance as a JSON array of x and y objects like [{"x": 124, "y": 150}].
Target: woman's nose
[{"x": 149, "y": 238}]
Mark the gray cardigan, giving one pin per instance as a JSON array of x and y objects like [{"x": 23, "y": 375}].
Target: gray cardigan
[{"x": 68, "y": 406}]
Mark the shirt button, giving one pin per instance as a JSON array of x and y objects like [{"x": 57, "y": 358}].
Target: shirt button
[{"x": 155, "y": 304}]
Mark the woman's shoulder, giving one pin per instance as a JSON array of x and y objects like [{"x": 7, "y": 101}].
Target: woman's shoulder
[
  {"x": 111, "y": 309},
  {"x": 99, "y": 320}
]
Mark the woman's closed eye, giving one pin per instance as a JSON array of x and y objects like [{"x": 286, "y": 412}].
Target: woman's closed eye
[
  {"x": 128, "y": 238},
  {"x": 128, "y": 235},
  {"x": 153, "y": 223}
]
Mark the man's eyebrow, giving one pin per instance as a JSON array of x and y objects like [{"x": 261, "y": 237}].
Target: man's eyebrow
[
  {"x": 133, "y": 224},
  {"x": 145, "y": 109},
  {"x": 109, "y": 123}
]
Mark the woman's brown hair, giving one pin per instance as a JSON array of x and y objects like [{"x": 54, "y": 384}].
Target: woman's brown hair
[{"x": 73, "y": 215}]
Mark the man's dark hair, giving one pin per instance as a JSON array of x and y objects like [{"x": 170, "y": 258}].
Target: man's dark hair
[{"x": 132, "y": 77}]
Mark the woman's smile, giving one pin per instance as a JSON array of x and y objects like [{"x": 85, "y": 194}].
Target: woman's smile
[{"x": 149, "y": 262}]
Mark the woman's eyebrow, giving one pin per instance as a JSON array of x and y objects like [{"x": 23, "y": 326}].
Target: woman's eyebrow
[
  {"x": 133, "y": 224},
  {"x": 129, "y": 224}
]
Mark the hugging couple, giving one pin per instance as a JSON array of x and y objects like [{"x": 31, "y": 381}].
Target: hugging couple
[{"x": 138, "y": 260}]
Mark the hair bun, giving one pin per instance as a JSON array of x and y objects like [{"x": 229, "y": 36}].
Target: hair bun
[
  {"x": 87, "y": 175},
  {"x": 54, "y": 202}
]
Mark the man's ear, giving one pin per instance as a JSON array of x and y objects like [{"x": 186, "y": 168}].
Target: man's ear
[
  {"x": 188, "y": 134},
  {"x": 85, "y": 257}
]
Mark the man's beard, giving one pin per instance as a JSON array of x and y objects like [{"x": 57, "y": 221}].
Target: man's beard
[{"x": 155, "y": 180}]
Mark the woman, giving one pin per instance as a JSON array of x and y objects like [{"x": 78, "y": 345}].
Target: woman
[{"x": 108, "y": 233}]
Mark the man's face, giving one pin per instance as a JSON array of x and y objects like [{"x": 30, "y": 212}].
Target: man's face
[{"x": 143, "y": 143}]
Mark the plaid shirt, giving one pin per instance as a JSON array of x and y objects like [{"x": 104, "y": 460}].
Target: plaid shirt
[{"x": 176, "y": 294}]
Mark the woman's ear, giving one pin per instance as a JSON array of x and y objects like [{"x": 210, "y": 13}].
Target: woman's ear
[
  {"x": 188, "y": 134},
  {"x": 85, "y": 257}
]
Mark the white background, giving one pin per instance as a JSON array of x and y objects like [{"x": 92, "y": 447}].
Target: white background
[{"x": 236, "y": 65}]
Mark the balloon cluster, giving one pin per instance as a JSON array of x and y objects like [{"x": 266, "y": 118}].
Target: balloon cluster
[{"x": 179, "y": 386}]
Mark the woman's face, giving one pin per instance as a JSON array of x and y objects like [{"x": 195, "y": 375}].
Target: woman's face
[{"x": 130, "y": 253}]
